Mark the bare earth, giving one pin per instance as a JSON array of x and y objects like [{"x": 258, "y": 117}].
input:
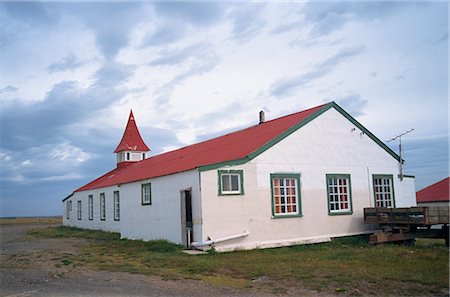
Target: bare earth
[{"x": 29, "y": 269}]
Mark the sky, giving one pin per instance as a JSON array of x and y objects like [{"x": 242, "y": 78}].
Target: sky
[{"x": 71, "y": 71}]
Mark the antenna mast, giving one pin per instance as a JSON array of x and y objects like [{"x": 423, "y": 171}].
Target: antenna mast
[{"x": 400, "y": 162}]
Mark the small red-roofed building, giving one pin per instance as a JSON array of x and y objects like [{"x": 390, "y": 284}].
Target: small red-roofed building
[
  {"x": 301, "y": 178},
  {"x": 437, "y": 194}
]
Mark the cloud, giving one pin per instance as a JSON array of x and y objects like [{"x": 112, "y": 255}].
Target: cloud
[
  {"x": 7, "y": 92},
  {"x": 353, "y": 104},
  {"x": 427, "y": 158},
  {"x": 29, "y": 12},
  {"x": 326, "y": 17},
  {"x": 172, "y": 21},
  {"x": 287, "y": 86},
  {"x": 179, "y": 55},
  {"x": 67, "y": 63},
  {"x": 164, "y": 34},
  {"x": 190, "y": 61},
  {"x": 48, "y": 121},
  {"x": 111, "y": 75},
  {"x": 111, "y": 22},
  {"x": 247, "y": 22},
  {"x": 195, "y": 13}
]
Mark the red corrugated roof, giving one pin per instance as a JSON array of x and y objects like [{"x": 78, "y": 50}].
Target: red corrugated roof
[
  {"x": 131, "y": 139},
  {"x": 437, "y": 192},
  {"x": 234, "y": 146}
]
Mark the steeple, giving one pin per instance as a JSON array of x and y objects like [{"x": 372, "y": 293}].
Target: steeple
[{"x": 131, "y": 148}]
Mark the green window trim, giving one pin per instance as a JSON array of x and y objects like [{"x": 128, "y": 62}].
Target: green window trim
[
  {"x": 239, "y": 173},
  {"x": 350, "y": 201},
  {"x": 388, "y": 176},
  {"x": 298, "y": 204},
  {"x": 145, "y": 201}
]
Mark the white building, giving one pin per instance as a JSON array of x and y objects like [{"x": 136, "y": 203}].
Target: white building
[{"x": 301, "y": 178}]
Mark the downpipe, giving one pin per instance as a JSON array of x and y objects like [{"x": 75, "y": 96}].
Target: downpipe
[{"x": 211, "y": 241}]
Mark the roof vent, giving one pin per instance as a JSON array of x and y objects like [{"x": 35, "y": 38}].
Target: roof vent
[{"x": 262, "y": 117}]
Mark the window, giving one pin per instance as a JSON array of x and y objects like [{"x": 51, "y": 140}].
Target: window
[
  {"x": 116, "y": 206},
  {"x": 79, "y": 209},
  {"x": 128, "y": 156},
  {"x": 91, "y": 207},
  {"x": 102, "y": 207},
  {"x": 143, "y": 156},
  {"x": 68, "y": 208},
  {"x": 147, "y": 194},
  {"x": 339, "y": 194},
  {"x": 285, "y": 195},
  {"x": 231, "y": 182},
  {"x": 383, "y": 188}
]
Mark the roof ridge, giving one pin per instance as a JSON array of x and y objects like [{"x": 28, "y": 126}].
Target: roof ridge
[{"x": 236, "y": 146}]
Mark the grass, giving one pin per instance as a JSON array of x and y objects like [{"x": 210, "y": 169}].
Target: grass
[
  {"x": 31, "y": 220},
  {"x": 347, "y": 265}
]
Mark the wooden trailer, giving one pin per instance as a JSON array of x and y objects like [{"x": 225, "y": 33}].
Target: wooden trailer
[{"x": 409, "y": 223}]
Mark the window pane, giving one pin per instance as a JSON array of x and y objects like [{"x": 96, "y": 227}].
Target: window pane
[
  {"x": 338, "y": 193},
  {"x": 285, "y": 195},
  {"x": 235, "y": 182},
  {"x": 226, "y": 182}
]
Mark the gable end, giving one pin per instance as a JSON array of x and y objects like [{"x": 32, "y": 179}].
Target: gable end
[{"x": 294, "y": 128}]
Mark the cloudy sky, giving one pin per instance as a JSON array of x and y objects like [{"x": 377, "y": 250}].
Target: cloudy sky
[{"x": 71, "y": 72}]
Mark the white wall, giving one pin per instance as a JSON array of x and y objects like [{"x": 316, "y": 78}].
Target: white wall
[
  {"x": 405, "y": 192},
  {"x": 109, "y": 224},
  {"x": 134, "y": 156},
  {"x": 326, "y": 145},
  {"x": 161, "y": 219}
]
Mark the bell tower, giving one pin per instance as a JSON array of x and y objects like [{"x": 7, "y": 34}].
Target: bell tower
[{"x": 131, "y": 148}]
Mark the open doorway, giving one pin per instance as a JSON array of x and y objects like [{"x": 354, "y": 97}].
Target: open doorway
[{"x": 187, "y": 231}]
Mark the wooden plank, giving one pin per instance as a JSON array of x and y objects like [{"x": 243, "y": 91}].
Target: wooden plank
[
  {"x": 380, "y": 236},
  {"x": 421, "y": 215}
]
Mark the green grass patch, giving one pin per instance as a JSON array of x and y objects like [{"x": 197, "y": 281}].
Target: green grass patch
[
  {"x": 343, "y": 266},
  {"x": 63, "y": 231}
]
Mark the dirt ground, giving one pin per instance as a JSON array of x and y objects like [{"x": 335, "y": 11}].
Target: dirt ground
[{"x": 30, "y": 267}]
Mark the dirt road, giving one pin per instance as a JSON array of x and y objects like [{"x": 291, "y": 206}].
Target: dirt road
[{"x": 30, "y": 268}]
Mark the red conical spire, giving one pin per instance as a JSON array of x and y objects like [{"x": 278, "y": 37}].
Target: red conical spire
[{"x": 131, "y": 139}]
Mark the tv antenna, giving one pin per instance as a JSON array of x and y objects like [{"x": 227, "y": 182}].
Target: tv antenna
[{"x": 400, "y": 162}]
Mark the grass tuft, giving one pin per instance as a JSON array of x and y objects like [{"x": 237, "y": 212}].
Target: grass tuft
[{"x": 161, "y": 246}]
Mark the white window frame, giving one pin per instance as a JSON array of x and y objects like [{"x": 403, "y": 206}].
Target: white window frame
[
  {"x": 285, "y": 188},
  {"x": 79, "y": 210},
  {"x": 383, "y": 193},
  {"x": 146, "y": 194},
  {"x": 68, "y": 208},
  {"x": 226, "y": 182},
  {"x": 116, "y": 202},
  {"x": 102, "y": 207},
  {"x": 91, "y": 207},
  {"x": 339, "y": 192}
]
